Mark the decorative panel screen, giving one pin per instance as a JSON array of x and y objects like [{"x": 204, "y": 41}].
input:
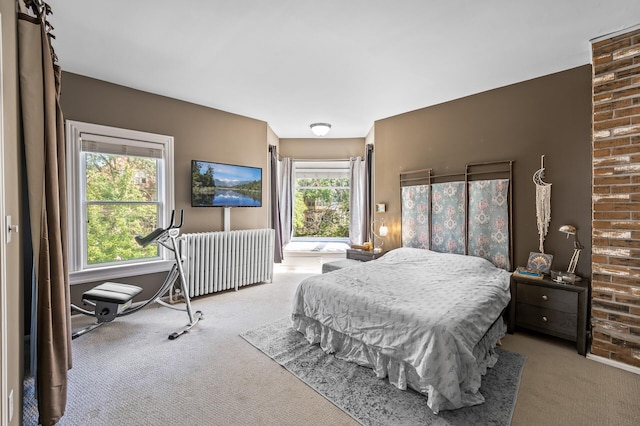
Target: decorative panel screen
[
  {"x": 415, "y": 216},
  {"x": 489, "y": 221},
  {"x": 469, "y": 216},
  {"x": 447, "y": 207}
]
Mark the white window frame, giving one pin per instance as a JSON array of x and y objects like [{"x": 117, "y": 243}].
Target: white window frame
[{"x": 79, "y": 272}]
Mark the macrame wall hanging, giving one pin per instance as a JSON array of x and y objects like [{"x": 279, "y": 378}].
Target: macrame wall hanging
[{"x": 543, "y": 203}]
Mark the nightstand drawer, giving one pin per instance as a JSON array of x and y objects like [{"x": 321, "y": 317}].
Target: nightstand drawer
[
  {"x": 544, "y": 319},
  {"x": 550, "y": 298}
]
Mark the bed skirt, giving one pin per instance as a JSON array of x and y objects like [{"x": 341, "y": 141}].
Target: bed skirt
[{"x": 399, "y": 373}]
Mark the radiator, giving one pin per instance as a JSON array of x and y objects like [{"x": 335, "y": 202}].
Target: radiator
[{"x": 217, "y": 261}]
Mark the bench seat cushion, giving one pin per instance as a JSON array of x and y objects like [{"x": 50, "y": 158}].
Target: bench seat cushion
[{"x": 112, "y": 292}]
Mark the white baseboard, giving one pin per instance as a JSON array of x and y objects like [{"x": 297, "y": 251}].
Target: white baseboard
[{"x": 617, "y": 364}]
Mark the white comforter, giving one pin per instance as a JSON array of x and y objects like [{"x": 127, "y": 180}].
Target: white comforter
[{"x": 413, "y": 315}]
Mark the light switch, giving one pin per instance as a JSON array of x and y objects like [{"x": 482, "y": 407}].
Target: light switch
[{"x": 10, "y": 229}]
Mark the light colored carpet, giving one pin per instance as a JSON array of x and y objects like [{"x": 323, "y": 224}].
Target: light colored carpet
[
  {"x": 128, "y": 372},
  {"x": 561, "y": 387},
  {"x": 375, "y": 402},
  {"x": 226, "y": 381}
]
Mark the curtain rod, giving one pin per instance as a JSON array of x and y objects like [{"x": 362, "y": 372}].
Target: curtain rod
[{"x": 320, "y": 160}]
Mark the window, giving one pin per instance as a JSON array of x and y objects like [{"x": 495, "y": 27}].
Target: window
[
  {"x": 321, "y": 205},
  {"x": 120, "y": 184}
]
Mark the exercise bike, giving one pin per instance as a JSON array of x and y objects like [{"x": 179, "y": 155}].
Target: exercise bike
[{"x": 111, "y": 300}]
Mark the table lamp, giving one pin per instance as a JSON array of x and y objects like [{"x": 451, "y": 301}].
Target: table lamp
[
  {"x": 577, "y": 247},
  {"x": 377, "y": 236}
]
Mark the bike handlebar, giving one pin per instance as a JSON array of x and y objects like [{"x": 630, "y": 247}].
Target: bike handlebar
[{"x": 157, "y": 233}]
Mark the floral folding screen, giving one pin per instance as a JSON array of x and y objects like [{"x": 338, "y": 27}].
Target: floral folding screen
[
  {"x": 489, "y": 221},
  {"x": 464, "y": 217},
  {"x": 415, "y": 216},
  {"x": 447, "y": 220}
]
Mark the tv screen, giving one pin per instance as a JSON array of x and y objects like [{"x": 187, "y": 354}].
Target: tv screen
[{"x": 225, "y": 185}]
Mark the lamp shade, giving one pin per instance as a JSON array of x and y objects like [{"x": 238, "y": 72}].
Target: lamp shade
[
  {"x": 377, "y": 236},
  {"x": 568, "y": 229},
  {"x": 320, "y": 129}
]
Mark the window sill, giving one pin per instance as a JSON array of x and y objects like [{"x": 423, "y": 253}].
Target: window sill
[
  {"x": 119, "y": 271},
  {"x": 322, "y": 239}
]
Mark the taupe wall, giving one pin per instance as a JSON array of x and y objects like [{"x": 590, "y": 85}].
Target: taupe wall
[
  {"x": 200, "y": 133},
  {"x": 272, "y": 138},
  {"x": 550, "y": 115},
  {"x": 321, "y": 148},
  {"x": 14, "y": 293}
]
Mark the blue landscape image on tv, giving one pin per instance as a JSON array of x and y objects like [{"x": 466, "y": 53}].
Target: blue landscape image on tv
[{"x": 225, "y": 185}]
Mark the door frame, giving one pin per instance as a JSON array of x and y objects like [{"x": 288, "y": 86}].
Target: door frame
[{"x": 4, "y": 397}]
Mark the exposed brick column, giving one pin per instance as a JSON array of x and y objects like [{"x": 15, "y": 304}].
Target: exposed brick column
[{"x": 615, "y": 302}]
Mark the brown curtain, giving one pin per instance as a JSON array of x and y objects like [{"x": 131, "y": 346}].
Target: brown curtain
[
  {"x": 274, "y": 202},
  {"x": 44, "y": 148},
  {"x": 368, "y": 170}
]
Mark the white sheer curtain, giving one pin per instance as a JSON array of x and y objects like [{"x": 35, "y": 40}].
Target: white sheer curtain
[
  {"x": 358, "y": 201},
  {"x": 287, "y": 184}
]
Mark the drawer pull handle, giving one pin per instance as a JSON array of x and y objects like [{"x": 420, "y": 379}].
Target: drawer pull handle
[
  {"x": 544, "y": 319},
  {"x": 544, "y": 297}
]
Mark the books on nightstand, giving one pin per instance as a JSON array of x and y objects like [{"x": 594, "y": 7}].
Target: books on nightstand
[{"x": 528, "y": 273}]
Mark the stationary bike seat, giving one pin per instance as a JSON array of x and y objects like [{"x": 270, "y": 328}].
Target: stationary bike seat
[{"x": 112, "y": 293}]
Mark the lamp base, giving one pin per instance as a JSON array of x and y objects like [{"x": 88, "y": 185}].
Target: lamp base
[
  {"x": 565, "y": 277},
  {"x": 574, "y": 278}
]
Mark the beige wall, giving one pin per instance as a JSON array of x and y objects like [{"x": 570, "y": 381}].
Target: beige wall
[
  {"x": 321, "y": 148},
  {"x": 549, "y": 115},
  {"x": 14, "y": 294},
  {"x": 272, "y": 138},
  {"x": 200, "y": 133}
]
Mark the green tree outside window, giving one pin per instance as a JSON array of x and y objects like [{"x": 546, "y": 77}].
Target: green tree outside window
[
  {"x": 121, "y": 201},
  {"x": 321, "y": 207}
]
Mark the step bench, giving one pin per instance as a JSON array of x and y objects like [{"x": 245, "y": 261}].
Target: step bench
[{"x": 110, "y": 299}]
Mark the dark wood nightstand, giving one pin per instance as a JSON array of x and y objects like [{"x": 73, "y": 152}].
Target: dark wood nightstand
[
  {"x": 552, "y": 308},
  {"x": 363, "y": 255}
]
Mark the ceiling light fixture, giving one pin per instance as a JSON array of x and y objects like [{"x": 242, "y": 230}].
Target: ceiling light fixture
[{"x": 320, "y": 129}]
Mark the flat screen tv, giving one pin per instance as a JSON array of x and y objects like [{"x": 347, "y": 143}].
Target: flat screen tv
[{"x": 225, "y": 185}]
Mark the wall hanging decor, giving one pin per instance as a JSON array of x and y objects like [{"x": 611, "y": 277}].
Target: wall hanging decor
[{"x": 543, "y": 203}]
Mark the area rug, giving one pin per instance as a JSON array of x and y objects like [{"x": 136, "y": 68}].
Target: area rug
[{"x": 372, "y": 401}]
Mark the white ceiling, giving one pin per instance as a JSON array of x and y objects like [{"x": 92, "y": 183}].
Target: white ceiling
[{"x": 346, "y": 62}]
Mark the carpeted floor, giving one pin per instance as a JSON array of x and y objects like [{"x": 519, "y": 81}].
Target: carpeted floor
[
  {"x": 372, "y": 401},
  {"x": 129, "y": 373}
]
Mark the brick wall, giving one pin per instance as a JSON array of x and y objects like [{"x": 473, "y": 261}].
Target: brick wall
[{"x": 615, "y": 302}]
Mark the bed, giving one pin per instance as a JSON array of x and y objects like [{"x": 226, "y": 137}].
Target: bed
[{"x": 424, "y": 319}]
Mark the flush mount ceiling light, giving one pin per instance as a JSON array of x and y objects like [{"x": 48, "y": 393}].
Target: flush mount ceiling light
[{"x": 320, "y": 129}]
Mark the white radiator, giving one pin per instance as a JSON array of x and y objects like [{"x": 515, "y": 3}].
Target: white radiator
[{"x": 217, "y": 261}]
